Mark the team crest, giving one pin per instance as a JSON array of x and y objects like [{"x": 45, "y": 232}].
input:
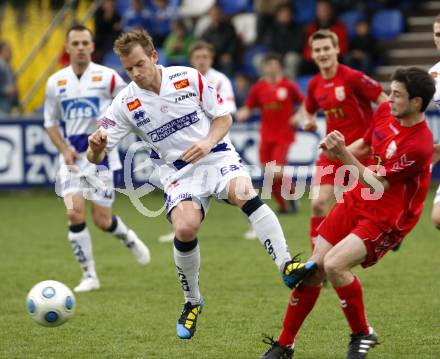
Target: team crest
[
  {"x": 133, "y": 105},
  {"x": 340, "y": 93},
  {"x": 391, "y": 150},
  {"x": 281, "y": 93}
]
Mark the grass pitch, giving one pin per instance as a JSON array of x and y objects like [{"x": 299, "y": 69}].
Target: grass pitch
[{"x": 135, "y": 312}]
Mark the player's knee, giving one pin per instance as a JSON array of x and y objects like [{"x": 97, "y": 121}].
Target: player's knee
[
  {"x": 317, "y": 278},
  {"x": 332, "y": 266},
  {"x": 75, "y": 216},
  {"x": 186, "y": 231},
  {"x": 102, "y": 221}
]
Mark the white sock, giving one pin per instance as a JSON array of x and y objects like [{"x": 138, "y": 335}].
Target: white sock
[
  {"x": 82, "y": 249},
  {"x": 188, "y": 267},
  {"x": 268, "y": 229},
  {"x": 121, "y": 230}
]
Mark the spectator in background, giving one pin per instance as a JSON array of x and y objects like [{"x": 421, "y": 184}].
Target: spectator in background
[
  {"x": 325, "y": 19},
  {"x": 177, "y": 43},
  {"x": 265, "y": 10},
  {"x": 241, "y": 87},
  {"x": 136, "y": 17},
  {"x": 286, "y": 38},
  {"x": 221, "y": 34},
  {"x": 363, "y": 49},
  {"x": 108, "y": 27},
  {"x": 162, "y": 13},
  {"x": 8, "y": 86}
]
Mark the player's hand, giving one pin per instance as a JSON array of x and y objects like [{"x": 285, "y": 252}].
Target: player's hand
[
  {"x": 333, "y": 144},
  {"x": 70, "y": 156},
  {"x": 310, "y": 125},
  {"x": 197, "y": 151},
  {"x": 97, "y": 141}
]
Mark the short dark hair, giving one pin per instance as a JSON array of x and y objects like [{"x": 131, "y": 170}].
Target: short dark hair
[
  {"x": 79, "y": 27},
  {"x": 273, "y": 56},
  {"x": 418, "y": 83},
  {"x": 324, "y": 34},
  {"x": 437, "y": 19}
]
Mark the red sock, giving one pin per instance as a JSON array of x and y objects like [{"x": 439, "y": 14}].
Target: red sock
[
  {"x": 301, "y": 302},
  {"x": 314, "y": 224},
  {"x": 276, "y": 189},
  {"x": 352, "y": 303}
]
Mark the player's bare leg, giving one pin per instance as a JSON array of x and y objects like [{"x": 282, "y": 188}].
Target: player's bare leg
[
  {"x": 106, "y": 221},
  {"x": 186, "y": 218},
  {"x": 241, "y": 193},
  {"x": 322, "y": 197}
]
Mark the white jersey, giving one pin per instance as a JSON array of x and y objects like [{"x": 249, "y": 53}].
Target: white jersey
[
  {"x": 435, "y": 73},
  {"x": 224, "y": 87},
  {"x": 171, "y": 121},
  {"x": 80, "y": 102}
]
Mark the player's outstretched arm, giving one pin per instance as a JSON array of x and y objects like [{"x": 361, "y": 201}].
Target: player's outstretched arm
[
  {"x": 243, "y": 114},
  {"x": 219, "y": 128},
  {"x": 97, "y": 142}
]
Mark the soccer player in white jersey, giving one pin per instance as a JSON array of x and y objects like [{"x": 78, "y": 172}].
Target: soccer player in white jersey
[
  {"x": 201, "y": 56},
  {"x": 435, "y": 73},
  {"x": 176, "y": 112},
  {"x": 78, "y": 95}
]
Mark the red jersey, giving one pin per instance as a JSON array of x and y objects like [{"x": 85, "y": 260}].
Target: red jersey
[
  {"x": 277, "y": 104},
  {"x": 405, "y": 155},
  {"x": 345, "y": 100}
]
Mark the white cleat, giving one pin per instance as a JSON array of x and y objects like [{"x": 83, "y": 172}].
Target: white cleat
[
  {"x": 250, "y": 234},
  {"x": 138, "y": 248},
  {"x": 169, "y": 237},
  {"x": 87, "y": 285}
]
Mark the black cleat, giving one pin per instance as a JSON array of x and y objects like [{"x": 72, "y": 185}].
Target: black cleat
[
  {"x": 360, "y": 344},
  {"x": 276, "y": 351},
  {"x": 186, "y": 325},
  {"x": 295, "y": 272}
]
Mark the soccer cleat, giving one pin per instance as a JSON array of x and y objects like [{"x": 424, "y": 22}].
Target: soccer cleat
[
  {"x": 250, "y": 234},
  {"x": 169, "y": 237},
  {"x": 276, "y": 351},
  {"x": 87, "y": 284},
  {"x": 295, "y": 272},
  {"x": 360, "y": 344},
  {"x": 186, "y": 325},
  {"x": 138, "y": 248}
]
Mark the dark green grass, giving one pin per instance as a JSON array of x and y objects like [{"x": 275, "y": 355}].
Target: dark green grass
[{"x": 134, "y": 314}]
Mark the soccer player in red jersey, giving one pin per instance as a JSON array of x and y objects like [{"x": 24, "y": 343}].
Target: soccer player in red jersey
[
  {"x": 376, "y": 215},
  {"x": 345, "y": 97},
  {"x": 275, "y": 96}
]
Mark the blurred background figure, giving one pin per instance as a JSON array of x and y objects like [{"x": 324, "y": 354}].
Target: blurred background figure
[
  {"x": 286, "y": 38},
  {"x": 162, "y": 13},
  {"x": 136, "y": 16},
  {"x": 177, "y": 43},
  {"x": 241, "y": 85},
  {"x": 222, "y": 35},
  {"x": 8, "y": 87},
  {"x": 363, "y": 49},
  {"x": 325, "y": 19},
  {"x": 108, "y": 26}
]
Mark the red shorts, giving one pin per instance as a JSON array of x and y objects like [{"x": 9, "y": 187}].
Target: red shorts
[
  {"x": 327, "y": 172},
  {"x": 274, "y": 151},
  {"x": 348, "y": 217}
]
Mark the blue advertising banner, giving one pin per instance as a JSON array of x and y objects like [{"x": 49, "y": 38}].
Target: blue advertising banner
[{"x": 29, "y": 159}]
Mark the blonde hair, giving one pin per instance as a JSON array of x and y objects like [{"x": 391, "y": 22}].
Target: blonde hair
[
  {"x": 125, "y": 42},
  {"x": 324, "y": 34}
]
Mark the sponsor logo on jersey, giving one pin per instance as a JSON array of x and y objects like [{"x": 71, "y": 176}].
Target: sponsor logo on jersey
[
  {"x": 63, "y": 90},
  {"x": 340, "y": 93},
  {"x": 173, "y": 126},
  {"x": 178, "y": 85},
  {"x": 434, "y": 74},
  {"x": 177, "y": 74},
  {"x": 140, "y": 118},
  {"x": 106, "y": 123},
  {"x": 133, "y": 105},
  {"x": 96, "y": 78},
  {"x": 62, "y": 82},
  {"x": 80, "y": 107},
  {"x": 184, "y": 97}
]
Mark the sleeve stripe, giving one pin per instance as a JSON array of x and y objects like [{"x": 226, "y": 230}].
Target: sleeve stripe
[
  {"x": 200, "y": 86},
  {"x": 112, "y": 84}
]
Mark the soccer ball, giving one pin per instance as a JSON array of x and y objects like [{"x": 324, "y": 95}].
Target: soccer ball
[{"x": 50, "y": 303}]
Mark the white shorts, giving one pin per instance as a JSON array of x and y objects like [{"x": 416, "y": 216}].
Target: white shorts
[
  {"x": 199, "y": 182},
  {"x": 437, "y": 195},
  {"x": 93, "y": 182}
]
